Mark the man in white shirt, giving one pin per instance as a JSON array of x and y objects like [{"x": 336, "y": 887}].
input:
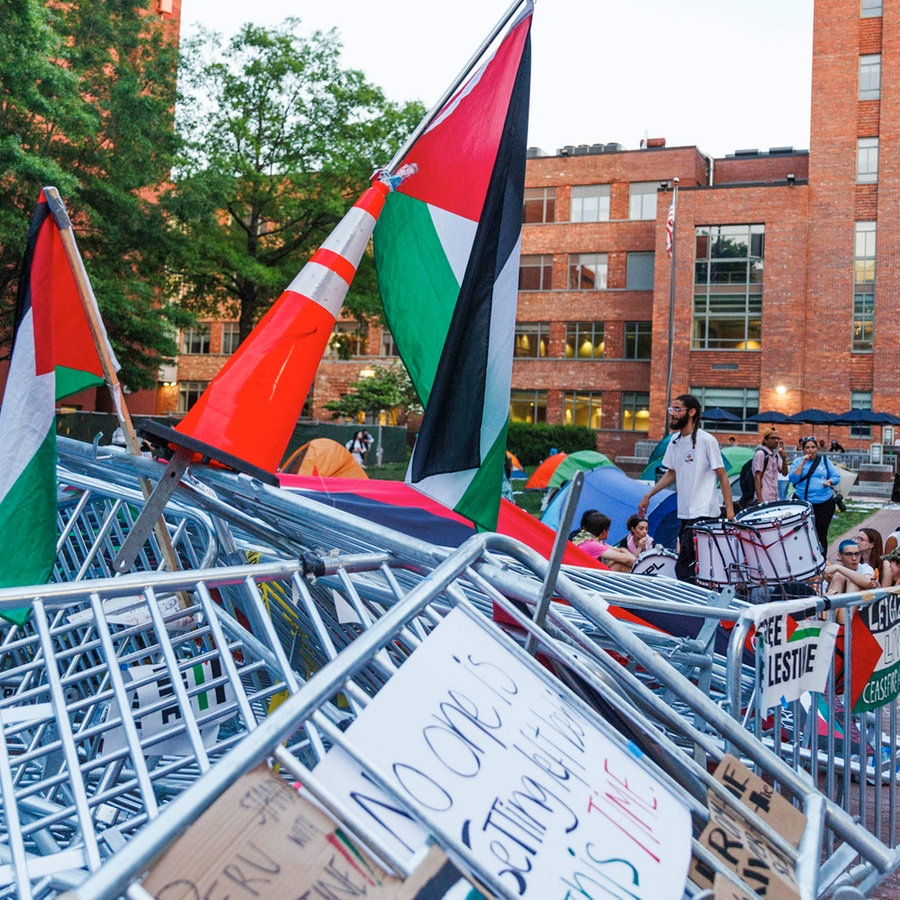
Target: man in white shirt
[
  {"x": 849, "y": 575},
  {"x": 693, "y": 463}
]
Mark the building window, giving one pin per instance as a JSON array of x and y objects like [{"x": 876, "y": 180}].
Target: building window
[
  {"x": 742, "y": 402},
  {"x": 870, "y": 76},
  {"x": 536, "y": 272},
  {"x": 869, "y": 8},
  {"x": 639, "y": 271},
  {"x": 528, "y": 406},
  {"x": 590, "y": 203},
  {"x": 388, "y": 347},
  {"x": 867, "y": 160},
  {"x": 230, "y": 337},
  {"x": 861, "y": 400},
  {"x": 348, "y": 339},
  {"x": 539, "y": 206},
  {"x": 642, "y": 199},
  {"x": 638, "y": 339},
  {"x": 863, "y": 338},
  {"x": 728, "y": 275},
  {"x": 584, "y": 340},
  {"x": 196, "y": 339},
  {"x": 588, "y": 271},
  {"x": 635, "y": 411},
  {"x": 189, "y": 393},
  {"x": 532, "y": 339},
  {"x": 583, "y": 408}
]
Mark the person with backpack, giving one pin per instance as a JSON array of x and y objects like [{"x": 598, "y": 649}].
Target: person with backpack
[
  {"x": 767, "y": 462},
  {"x": 815, "y": 478}
]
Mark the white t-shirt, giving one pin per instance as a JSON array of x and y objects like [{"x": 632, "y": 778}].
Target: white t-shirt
[{"x": 695, "y": 474}]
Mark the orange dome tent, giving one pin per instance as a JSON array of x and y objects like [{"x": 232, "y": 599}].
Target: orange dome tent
[
  {"x": 324, "y": 457},
  {"x": 541, "y": 476}
]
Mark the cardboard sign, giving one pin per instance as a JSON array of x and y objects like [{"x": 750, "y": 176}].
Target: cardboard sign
[
  {"x": 507, "y": 764},
  {"x": 876, "y": 654},
  {"x": 261, "y": 838},
  {"x": 725, "y": 889},
  {"x": 797, "y": 657},
  {"x": 756, "y": 794},
  {"x": 142, "y": 696},
  {"x": 747, "y": 853}
]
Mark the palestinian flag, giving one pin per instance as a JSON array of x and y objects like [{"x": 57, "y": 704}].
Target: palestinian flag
[
  {"x": 53, "y": 356},
  {"x": 447, "y": 256}
]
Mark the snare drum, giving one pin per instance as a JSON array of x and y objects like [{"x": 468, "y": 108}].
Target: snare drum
[
  {"x": 779, "y": 540},
  {"x": 655, "y": 561},
  {"x": 717, "y": 552}
]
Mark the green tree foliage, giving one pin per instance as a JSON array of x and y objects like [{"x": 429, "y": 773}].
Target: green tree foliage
[
  {"x": 87, "y": 93},
  {"x": 389, "y": 389},
  {"x": 532, "y": 443},
  {"x": 280, "y": 141}
]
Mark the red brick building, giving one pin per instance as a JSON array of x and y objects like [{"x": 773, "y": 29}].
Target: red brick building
[{"x": 784, "y": 269}]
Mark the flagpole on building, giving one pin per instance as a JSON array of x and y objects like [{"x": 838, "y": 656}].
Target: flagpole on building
[
  {"x": 670, "y": 235},
  {"x": 101, "y": 344}
]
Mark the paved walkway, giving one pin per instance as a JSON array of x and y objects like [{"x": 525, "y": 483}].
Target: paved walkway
[{"x": 885, "y": 518}]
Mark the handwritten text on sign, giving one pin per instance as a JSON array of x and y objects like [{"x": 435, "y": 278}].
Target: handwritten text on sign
[
  {"x": 797, "y": 657},
  {"x": 505, "y": 764}
]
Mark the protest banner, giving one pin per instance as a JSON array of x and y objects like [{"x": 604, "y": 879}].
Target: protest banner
[
  {"x": 875, "y": 678},
  {"x": 797, "y": 657},
  {"x": 505, "y": 762}
]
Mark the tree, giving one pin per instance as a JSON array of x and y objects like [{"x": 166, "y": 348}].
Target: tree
[
  {"x": 87, "y": 95},
  {"x": 279, "y": 142},
  {"x": 389, "y": 389}
]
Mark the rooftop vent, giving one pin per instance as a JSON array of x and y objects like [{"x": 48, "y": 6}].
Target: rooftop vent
[
  {"x": 753, "y": 152},
  {"x": 568, "y": 150},
  {"x": 534, "y": 153}
]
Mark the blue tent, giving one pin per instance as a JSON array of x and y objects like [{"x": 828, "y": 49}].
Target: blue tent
[{"x": 617, "y": 495}]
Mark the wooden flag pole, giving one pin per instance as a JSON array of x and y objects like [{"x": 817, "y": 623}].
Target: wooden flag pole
[{"x": 110, "y": 376}]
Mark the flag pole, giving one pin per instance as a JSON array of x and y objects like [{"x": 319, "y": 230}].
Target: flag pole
[
  {"x": 454, "y": 85},
  {"x": 672, "y": 295},
  {"x": 110, "y": 376}
]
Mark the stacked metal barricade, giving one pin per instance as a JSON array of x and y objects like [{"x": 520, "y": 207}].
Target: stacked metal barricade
[{"x": 106, "y": 756}]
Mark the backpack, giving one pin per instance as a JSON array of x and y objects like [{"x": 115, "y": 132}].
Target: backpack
[{"x": 748, "y": 481}]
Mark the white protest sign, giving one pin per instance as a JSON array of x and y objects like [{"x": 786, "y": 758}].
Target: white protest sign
[
  {"x": 143, "y": 696},
  {"x": 797, "y": 657},
  {"x": 507, "y": 765}
]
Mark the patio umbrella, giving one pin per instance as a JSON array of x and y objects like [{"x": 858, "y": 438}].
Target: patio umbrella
[
  {"x": 717, "y": 414},
  {"x": 812, "y": 417},
  {"x": 580, "y": 460},
  {"x": 771, "y": 415},
  {"x": 862, "y": 417}
]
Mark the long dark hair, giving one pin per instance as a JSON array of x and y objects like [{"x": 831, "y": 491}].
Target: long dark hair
[{"x": 691, "y": 402}]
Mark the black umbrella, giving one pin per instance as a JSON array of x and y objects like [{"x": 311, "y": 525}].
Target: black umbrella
[
  {"x": 772, "y": 415},
  {"x": 717, "y": 414},
  {"x": 862, "y": 417}
]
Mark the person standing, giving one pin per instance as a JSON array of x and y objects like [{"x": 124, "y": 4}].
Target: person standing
[
  {"x": 693, "y": 463},
  {"x": 814, "y": 478},
  {"x": 768, "y": 461}
]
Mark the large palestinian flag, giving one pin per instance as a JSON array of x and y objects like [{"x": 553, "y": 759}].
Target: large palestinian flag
[
  {"x": 447, "y": 255},
  {"x": 53, "y": 356}
]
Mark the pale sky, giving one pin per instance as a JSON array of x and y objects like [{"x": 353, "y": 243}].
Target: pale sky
[{"x": 721, "y": 74}]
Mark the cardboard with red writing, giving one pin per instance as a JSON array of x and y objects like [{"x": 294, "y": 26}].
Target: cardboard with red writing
[
  {"x": 262, "y": 838},
  {"x": 756, "y": 794},
  {"x": 738, "y": 847},
  {"x": 508, "y": 763}
]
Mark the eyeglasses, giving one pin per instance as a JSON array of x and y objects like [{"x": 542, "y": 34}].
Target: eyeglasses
[
  {"x": 772, "y": 437},
  {"x": 850, "y": 553},
  {"x": 674, "y": 410}
]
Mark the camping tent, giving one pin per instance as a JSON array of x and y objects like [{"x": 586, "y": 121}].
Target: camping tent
[
  {"x": 323, "y": 456},
  {"x": 611, "y": 491},
  {"x": 579, "y": 461}
]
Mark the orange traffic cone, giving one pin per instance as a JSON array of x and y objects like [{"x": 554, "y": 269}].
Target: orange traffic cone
[{"x": 251, "y": 407}]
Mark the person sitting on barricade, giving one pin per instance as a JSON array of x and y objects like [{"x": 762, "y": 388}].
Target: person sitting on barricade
[{"x": 592, "y": 539}]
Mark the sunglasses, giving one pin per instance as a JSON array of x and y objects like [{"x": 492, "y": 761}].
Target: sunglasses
[{"x": 811, "y": 437}]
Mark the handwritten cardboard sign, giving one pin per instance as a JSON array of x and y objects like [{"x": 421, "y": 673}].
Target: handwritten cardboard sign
[
  {"x": 756, "y": 794},
  {"x": 797, "y": 657},
  {"x": 261, "y": 838},
  {"x": 876, "y": 654},
  {"x": 506, "y": 764}
]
